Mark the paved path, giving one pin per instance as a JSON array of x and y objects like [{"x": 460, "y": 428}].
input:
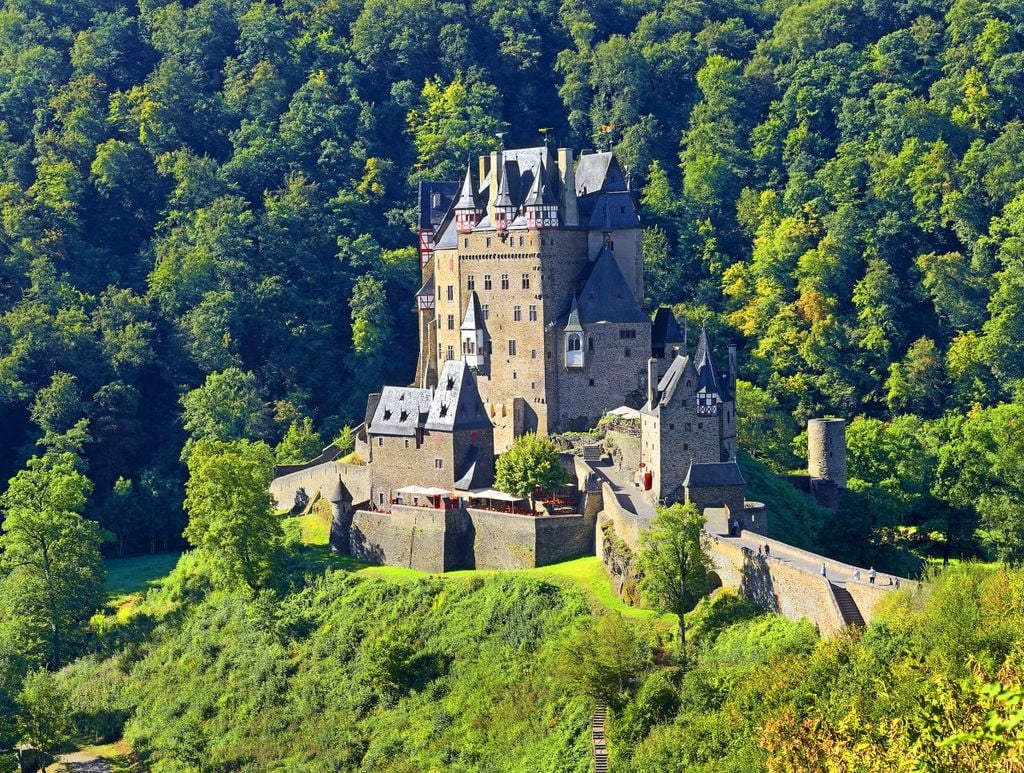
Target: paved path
[{"x": 83, "y": 762}]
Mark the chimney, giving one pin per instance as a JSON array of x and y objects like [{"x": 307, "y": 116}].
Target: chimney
[
  {"x": 484, "y": 168},
  {"x": 732, "y": 369},
  {"x": 652, "y": 381},
  {"x": 495, "y": 180},
  {"x": 570, "y": 211}
]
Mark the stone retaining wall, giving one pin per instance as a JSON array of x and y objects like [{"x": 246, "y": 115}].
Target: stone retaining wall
[
  {"x": 354, "y": 477},
  {"x": 413, "y": 537},
  {"x": 776, "y": 586}
]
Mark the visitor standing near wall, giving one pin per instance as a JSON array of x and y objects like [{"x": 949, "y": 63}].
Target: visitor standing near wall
[{"x": 872, "y": 575}]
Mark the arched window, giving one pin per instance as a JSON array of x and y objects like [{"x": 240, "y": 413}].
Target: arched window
[
  {"x": 574, "y": 350},
  {"x": 574, "y": 343}
]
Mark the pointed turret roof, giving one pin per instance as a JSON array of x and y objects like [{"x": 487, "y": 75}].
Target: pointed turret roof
[
  {"x": 474, "y": 319},
  {"x": 504, "y": 199},
  {"x": 707, "y": 378},
  {"x": 467, "y": 193},
  {"x": 573, "y": 325},
  {"x": 666, "y": 332}
]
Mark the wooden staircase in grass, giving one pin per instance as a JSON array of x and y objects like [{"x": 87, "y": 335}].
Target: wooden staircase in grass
[{"x": 599, "y": 738}]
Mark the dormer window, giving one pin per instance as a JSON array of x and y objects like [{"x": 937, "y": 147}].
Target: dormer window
[
  {"x": 443, "y": 410},
  {"x": 451, "y": 384},
  {"x": 387, "y": 414},
  {"x": 403, "y": 415}
]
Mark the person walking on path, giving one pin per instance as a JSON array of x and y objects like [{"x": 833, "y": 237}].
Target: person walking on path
[
  {"x": 856, "y": 574},
  {"x": 823, "y": 569},
  {"x": 767, "y": 550},
  {"x": 872, "y": 575}
]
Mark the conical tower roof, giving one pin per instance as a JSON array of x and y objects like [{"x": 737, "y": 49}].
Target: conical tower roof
[
  {"x": 474, "y": 319},
  {"x": 467, "y": 193},
  {"x": 706, "y": 376},
  {"x": 572, "y": 325}
]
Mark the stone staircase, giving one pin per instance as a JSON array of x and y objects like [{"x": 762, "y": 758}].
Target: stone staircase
[
  {"x": 592, "y": 452},
  {"x": 847, "y": 606},
  {"x": 599, "y": 738}
]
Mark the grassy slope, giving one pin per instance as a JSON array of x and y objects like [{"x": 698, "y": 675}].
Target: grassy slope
[
  {"x": 137, "y": 574},
  {"x": 793, "y": 516}
]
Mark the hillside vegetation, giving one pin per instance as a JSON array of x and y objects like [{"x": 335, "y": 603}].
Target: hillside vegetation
[{"x": 500, "y": 671}]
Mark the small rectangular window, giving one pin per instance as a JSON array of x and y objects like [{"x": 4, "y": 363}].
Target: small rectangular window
[
  {"x": 517, "y": 313},
  {"x": 488, "y": 241},
  {"x": 533, "y": 313},
  {"x": 486, "y": 310},
  {"x": 627, "y": 352},
  {"x": 407, "y": 442},
  {"x": 380, "y": 441},
  {"x": 438, "y": 464},
  {"x": 533, "y": 354},
  {"x": 451, "y": 292},
  {"x": 470, "y": 282},
  {"x": 451, "y": 321},
  {"x": 451, "y": 353},
  {"x": 526, "y": 281},
  {"x": 591, "y": 382},
  {"x": 511, "y": 347},
  {"x": 504, "y": 281},
  {"x": 487, "y": 281},
  {"x": 465, "y": 242}
]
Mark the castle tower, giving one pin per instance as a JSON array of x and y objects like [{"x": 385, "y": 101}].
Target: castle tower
[
  {"x": 540, "y": 255},
  {"x": 826, "y": 450}
]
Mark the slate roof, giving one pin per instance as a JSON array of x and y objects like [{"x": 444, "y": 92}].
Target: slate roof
[
  {"x": 427, "y": 288},
  {"x": 707, "y": 378},
  {"x": 604, "y": 198},
  {"x": 456, "y": 403},
  {"x": 431, "y": 215},
  {"x": 668, "y": 384},
  {"x": 666, "y": 332},
  {"x": 572, "y": 324},
  {"x": 606, "y": 296},
  {"x": 468, "y": 198},
  {"x": 400, "y": 410},
  {"x": 713, "y": 474},
  {"x": 474, "y": 319}
]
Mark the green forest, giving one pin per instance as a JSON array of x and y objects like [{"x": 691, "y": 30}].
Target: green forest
[{"x": 207, "y": 260}]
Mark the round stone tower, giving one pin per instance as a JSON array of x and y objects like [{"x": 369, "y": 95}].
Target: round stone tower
[{"x": 826, "y": 450}]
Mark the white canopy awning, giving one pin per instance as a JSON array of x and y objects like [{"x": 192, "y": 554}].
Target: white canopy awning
[
  {"x": 422, "y": 491},
  {"x": 491, "y": 493},
  {"x": 625, "y": 412}
]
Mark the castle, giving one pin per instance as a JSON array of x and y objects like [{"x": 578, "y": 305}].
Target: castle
[{"x": 530, "y": 320}]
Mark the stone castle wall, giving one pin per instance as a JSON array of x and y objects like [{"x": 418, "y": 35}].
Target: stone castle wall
[
  {"x": 614, "y": 372},
  {"x": 354, "y": 477},
  {"x": 412, "y": 537},
  {"x": 719, "y": 496},
  {"x": 431, "y": 540}
]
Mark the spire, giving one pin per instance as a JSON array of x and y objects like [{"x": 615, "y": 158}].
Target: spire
[
  {"x": 701, "y": 353},
  {"x": 474, "y": 319},
  {"x": 573, "y": 325},
  {"x": 467, "y": 194},
  {"x": 504, "y": 199}
]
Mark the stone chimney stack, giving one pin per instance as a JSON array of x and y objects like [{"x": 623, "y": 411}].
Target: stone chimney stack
[
  {"x": 484, "y": 168},
  {"x": 570, "y": 210},
  {"x": 652, "y": 381},
  {"x": 732, "y": 368},
  {"x": 495, "y": 180}
]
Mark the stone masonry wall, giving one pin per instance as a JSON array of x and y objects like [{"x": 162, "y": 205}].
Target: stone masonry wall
[
  {"x": 776, "y": 586},
  {"x": 614, "y": 372},
  {"x": 719, "y": 496},
  {"x": 561, "y": 537},
  {"x": 503, "y": 540},
  {"x": 355, "y": 478},
  {"x": 413, "y": 537}
]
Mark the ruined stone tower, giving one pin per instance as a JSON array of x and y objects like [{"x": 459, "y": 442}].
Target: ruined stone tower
[{"x": 826, "y": 450}]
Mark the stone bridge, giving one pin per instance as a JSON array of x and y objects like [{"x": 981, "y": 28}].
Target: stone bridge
[{"x": 782, "y": 578}]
